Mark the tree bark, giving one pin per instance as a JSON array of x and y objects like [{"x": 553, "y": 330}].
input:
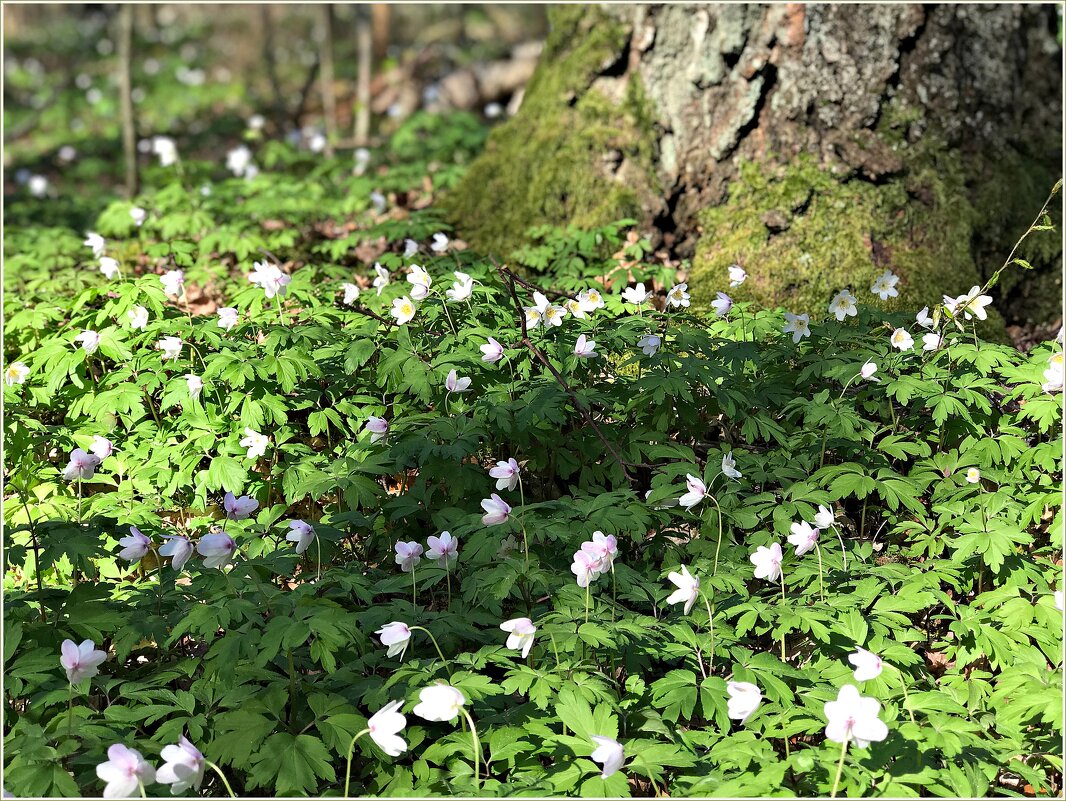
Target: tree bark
[
  {"x": 719, "y": 123},
  {"x": 327, "y": 75}
]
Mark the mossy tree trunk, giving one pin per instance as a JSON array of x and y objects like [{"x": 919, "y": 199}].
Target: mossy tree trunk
[{"x": 816, "y": 145}]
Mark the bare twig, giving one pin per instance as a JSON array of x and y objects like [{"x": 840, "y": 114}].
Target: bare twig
[{"x": 510, "y": 279}]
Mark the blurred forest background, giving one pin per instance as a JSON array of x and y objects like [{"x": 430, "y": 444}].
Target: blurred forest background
[{"x": 318, "y": 76}]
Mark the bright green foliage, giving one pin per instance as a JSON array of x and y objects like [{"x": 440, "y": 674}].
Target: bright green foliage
[{"x": 272, "y": 671}]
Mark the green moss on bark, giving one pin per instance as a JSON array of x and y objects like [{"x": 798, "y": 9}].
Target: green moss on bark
[
  {"x": 572, "y": 155},
  {"x": 803, "y": 233}
]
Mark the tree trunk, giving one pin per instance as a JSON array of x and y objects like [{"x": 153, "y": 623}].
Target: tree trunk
[
  {"x": 327, "y": 76},
  {"x": 816, "y": 145}
]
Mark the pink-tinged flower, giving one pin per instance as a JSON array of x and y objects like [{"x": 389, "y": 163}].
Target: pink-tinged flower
[
  {"x": 420, "y": 281},
  {"x": 109, "y": 267},
  {"x": 255, "y": 442},
  {"x": 843, "y": 305},
  {"x": 767, "y": 562},
  {"x": 101, "y": 447},
  {"x": 636, "y": 295},
  {"x": 16, "y": 374},
  {"x": 902, "y": 340},
  {"x": 216, "y": 549},
  {"x": 923, "y": 319},
  {"x": 183, "y": 767},
  {"x": 729, "y": 467},
  {"x": 604, "y": 547},
  {"x": 521, "y": 631},
  {"x": 497, "y": 510},
  {"x": 195, "y": 384},
  {"x": 403, "y": 310},
  {"x": 90, "y": 340},
  {"x": 799, "y": 325},
  {"x": 239, "y": 508},
  {"x": 444, "y": 549},
  {"x": 867, "y": 371},
  {"x": 395, "y": 636},
  {"x": 455, "y": 384},
  {"x": 688, "y": 589},
  {"x": 506, "y": 474},
  {"x": 178, "y": 548},
  {"x": 852, "y": 717},
  {"x": 803, "y": 536},
  {"x": 492, "y": 352},
  {"x": 744, "y": 699},
  {"x": 384, "y": 727},
  {"x": 82, "y": 465},
  {"x": 96, "y": 242},
  {"x": 303, "y": 534},
  {"x": 737, "y": 276},
  {"x": 138, "y": 317},
  {"x": 973, "y": 476},
  {"x": 381, "y": 277},
  {"x": 125, "y": 773},
  {"x": 134, "y": 545},
  {"x": 80, "y": 661},
  {"x": 173, "y": 282},
  {"x": 138, "y": 215},
  {"x": 884, "y": 286},
  {"x": 867, "y": 665},
  {"x": 697, "y": 491},
  {"x": 585, "y": 348},
  {"x": 649, "y": 344},
  {"x": 227, "y": 318},
  {"x": 171, "y": 347},
  {"x": 586, "y": 568},
  {"x": 270, "y": 278},
  {"x": 608, "y": 753},
  {"x": 351, "y": 294},
  {"x": 440, "y": 702},
  {"x": 408, "y": 554},
  {"x": 722, "y": 304},
  {"x": 378, "y": 428}
]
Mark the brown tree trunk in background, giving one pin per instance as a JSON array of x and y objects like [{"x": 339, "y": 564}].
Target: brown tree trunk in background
[
  {"x": 325, "y": 57},
  {"x": 759, "y": 133},
  {"x": 364, "y": 45},
  {"x": 266, "y": 19},
  {"x": 125, "y": 83},
  {"x": 381, "y": 22}
]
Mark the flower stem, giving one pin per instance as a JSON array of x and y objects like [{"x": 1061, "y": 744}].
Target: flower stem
[
  {"x": 448, "y": 579},
  {"x": 140, "y": 786},
  {"x": 440, "y": 653},
  {"x": 525, "y": 539},
  {"x": 348, "y": 772},
  {"x": 710, "y": 625},
  {"x": 784, "y": 658},
  {"x": 906, "y": 698},
  {"x": 318, "y": 547},
  {"x": 840, "y": 768},
  {"x": 718, "y": 546},
  {"x": 222, "y": 776},
  {"x": 70, "y": 708},
  {"x": 843, "y": 551},
  {"x": 588, "y": 593},
  {"x": 477, "y": 749},
  {"x": 79, "y": 500},
  {"x": 821, "y": 585},
  {"x": 414, "y": 592},
  {"x": 281, "y": 317}
]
